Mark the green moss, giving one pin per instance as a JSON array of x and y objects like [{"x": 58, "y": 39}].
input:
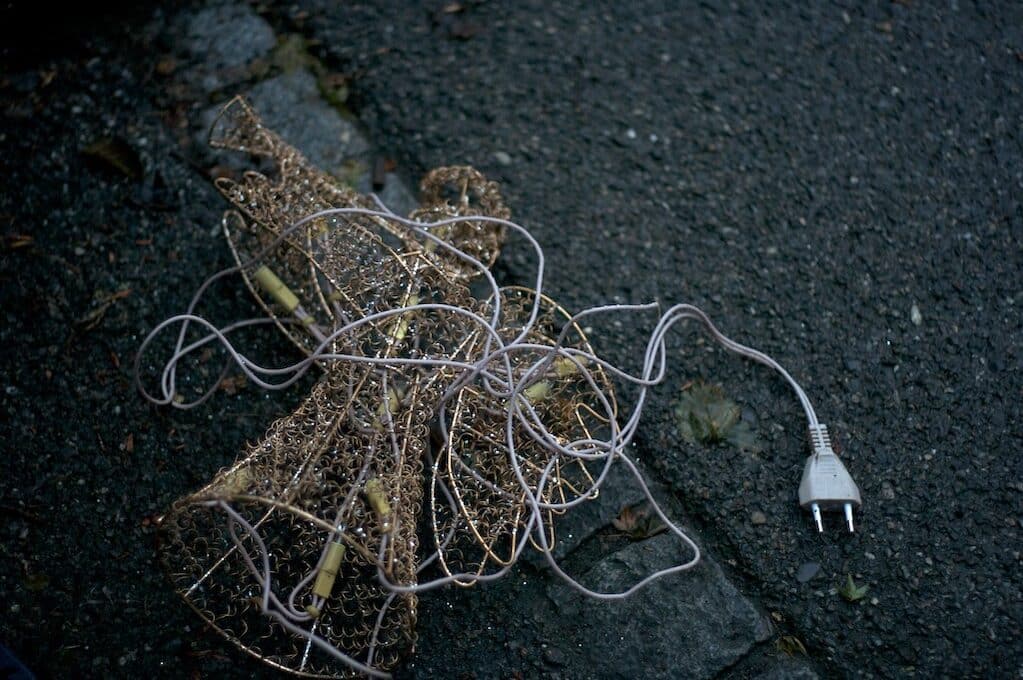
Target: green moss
[
  {"x": 292, "y": 54},
  {"x": 334, "y": 88},
  {"x": 351, "y": 172}
]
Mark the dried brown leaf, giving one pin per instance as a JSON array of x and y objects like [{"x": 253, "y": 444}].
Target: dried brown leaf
[
  {"x": 790, "y": 645},
  {"x": 233, "y": 384},
  {"x": 15, "y": 241},
  {"x": 116, "y": 154},
  {"x": 637, "y": 523}
]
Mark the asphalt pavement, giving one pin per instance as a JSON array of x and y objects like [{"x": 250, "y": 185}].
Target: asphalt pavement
[{"x": 839, "y": 186}]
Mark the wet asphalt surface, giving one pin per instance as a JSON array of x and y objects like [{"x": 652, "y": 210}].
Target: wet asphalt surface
[{"x": 807, "y": 176}]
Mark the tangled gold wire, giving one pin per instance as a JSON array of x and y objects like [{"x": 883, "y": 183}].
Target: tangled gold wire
[{"x": 305, "y": 553}]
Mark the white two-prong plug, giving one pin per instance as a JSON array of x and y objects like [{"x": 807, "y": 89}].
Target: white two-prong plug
[{"x": 826, "y": 484}]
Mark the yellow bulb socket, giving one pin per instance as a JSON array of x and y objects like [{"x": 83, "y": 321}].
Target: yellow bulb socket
[
  {"x": 537, "y": 391},
  {"x": 378, "y": 501},
  {"x": 328, "y": 571},
  {"x": 275, "y": 288}
]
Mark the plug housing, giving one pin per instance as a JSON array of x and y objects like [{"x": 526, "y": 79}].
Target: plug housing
[{"x": 826, "y": 484}]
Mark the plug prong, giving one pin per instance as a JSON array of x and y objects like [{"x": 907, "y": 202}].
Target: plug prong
[
  {"x": 826, "y": 485},
  {"x": 816, "y": 510}
]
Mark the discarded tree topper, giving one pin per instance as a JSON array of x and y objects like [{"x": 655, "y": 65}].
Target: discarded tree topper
[{"x": 306, "y": 552}]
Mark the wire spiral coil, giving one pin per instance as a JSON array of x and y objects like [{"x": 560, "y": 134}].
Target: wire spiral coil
[{"x": 306, "y": 552}]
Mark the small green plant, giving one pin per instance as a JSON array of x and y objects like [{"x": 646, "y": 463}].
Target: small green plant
[
  {"x": 707, "y": 416},
  {"x": 852, "y": 592}
]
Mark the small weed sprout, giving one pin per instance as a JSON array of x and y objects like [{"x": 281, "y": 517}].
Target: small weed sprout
[
  {"x": 851, "y": 592},
  {"x": 706, "y": 416}
]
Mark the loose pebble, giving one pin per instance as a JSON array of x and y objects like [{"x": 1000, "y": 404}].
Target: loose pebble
[
  {"x": 807, "y": 571},
  {"x": 915, "y": 316}
]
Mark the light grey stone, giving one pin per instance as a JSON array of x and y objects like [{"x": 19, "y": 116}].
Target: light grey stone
[
  {"x": 290, "y": 105},
  {"x": 224, "y": 39},
  {"x": 620, "y": 489},
  {"x": 788, "y": 669},
  {"x": 396, "y": 195},
  {"x": 692, "y": 625}
]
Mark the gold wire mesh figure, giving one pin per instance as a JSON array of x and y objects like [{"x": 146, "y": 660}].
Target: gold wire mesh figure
[{"x": 284, "y": 552}]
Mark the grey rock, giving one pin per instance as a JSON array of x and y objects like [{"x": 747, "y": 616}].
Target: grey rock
[
  {"x": 554, "y": 656},
  {"x": 620, "y": 489},
  {"x": 225, "y": 39},
  {"x": 396, "y": 195},
  {"x": 291, "y": 106},
  {"x": 807, "y": 571},
  {"x": 695, "y": 624},
  {"x": 788, "y": 669}
]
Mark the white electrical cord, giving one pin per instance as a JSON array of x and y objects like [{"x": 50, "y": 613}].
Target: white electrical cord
[{"x": 826, "y": 485}]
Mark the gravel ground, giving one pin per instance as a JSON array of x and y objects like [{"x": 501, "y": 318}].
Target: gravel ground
[
  {"x": 94, "y": 256},
  {"x": 839, "y": 187}
]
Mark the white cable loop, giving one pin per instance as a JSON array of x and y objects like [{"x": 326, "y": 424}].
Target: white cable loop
[{"x": 492, "y": 371}]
